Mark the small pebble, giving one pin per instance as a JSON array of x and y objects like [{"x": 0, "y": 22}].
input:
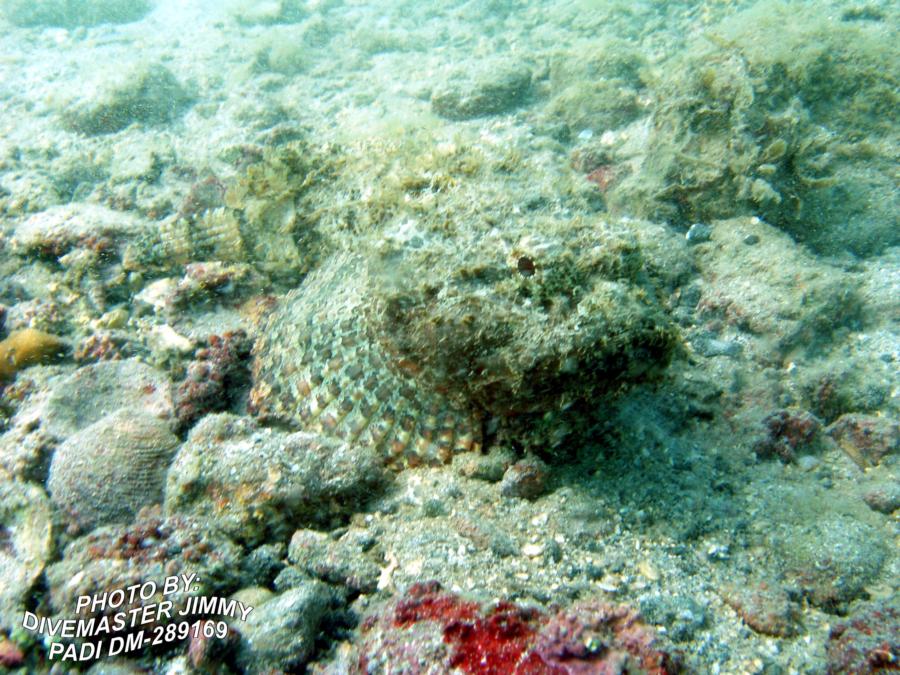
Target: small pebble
[
  {"x": 532, "y": 550},
  {"x": 526, "y": 479},
  {"x": 698, "y": 233},
  {"x": 807, "y": 462}
]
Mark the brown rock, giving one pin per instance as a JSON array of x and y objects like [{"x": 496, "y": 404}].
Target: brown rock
[
  {"x": 765, "y": 607},
  {"x": 866, "y": 438}
]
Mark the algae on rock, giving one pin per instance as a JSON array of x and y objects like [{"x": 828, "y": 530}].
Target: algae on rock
[
  {"x": 783, "y": 116},
  {"x": 262, "y": 216}
]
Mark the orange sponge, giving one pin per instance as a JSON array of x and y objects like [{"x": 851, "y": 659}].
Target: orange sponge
[{"x": 25, "y": 348}]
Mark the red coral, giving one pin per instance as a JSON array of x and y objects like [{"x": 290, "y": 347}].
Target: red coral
[
  {"x": 10, "y": 655},
  {"x": 213, "y": 378},
  {"x": 785, "y": 432},
  {"x": 426, "y": 602},
  {"x": 868, "y": 643},
  {"x": 430, "y": 630},
  {"x": 495, "y": 644}
]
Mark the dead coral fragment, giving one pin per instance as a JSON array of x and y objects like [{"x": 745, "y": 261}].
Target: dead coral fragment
[{"x": 25, "y": 348}]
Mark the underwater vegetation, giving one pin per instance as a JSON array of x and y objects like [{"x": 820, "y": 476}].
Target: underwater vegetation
[
  {"x": 799, "y": 129},
  {"x": 260, "y": 217}
]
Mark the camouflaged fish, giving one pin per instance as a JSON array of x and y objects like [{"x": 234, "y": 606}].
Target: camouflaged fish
[{"x": 320, "y": 365}]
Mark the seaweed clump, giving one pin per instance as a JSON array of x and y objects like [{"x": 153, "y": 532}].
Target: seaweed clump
[
  {"x": 263, "y": 216},
  {"x": 786, "y": 115}
]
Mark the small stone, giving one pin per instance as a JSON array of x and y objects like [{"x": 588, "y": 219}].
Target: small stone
[
  {"x": 160, "y": 295},
  {"x": 698, "y": 233},
  {"x": 808, "y": 462},
  {"x": 493, "y": 87},
  {"x": 866, "y": 438},
  {"x": 165, "y": 339},
  {"x": 113, "y": 319},
  {"x": 341, "y": 562},
  {"x": 489, "y": 467},
  {"x": 526, "y": 479},
  {"x": 883, "y": 497},
  {"x": 533, "y": 550},
  {"x": 766, "y": 608},
  {"x": 707, "y": 345},
  {"x": 282, "y": 632}
]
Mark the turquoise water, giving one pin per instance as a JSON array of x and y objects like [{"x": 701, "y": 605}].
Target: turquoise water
[{"x": 371, "y": 316}]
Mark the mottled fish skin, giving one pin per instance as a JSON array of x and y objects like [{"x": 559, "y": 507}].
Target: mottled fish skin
[{"x": 319, "y": 365}]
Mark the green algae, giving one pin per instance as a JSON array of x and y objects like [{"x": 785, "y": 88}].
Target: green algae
[{"x": 785, "y": 114}]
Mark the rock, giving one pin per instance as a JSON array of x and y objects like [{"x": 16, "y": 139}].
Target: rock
[
  {"x": 96, "y": 390},
  {"x": 832, "y": 560},
  {"x": 595, "y": 85},
  {"x": 263, "y": 563},
  {"x": 768, "y": 303},
  {"x": 785, "y": 433},
  {"x": 698, "y": 233},
  {"x": 682, "y": 616},
  {"x": 147, "y": 550},
  {"x": 25, "y": 546},
  {"x": 60, "y": 229},
  {"x": 868, "y": 641},
  {"x": 282, "y": 632},
  {"x": 765, "y": 607},
  {"x": 259, "y": 484},
  {"x": 72, "y": 14},
  {"x": 866, "y": 438},
  {"x": 108, "y": 471},
  {"x": 150, "y": 94},
  {"x": 489, "y": 87},
  {"x": 526, "y": 479},
  {"x": 140, "y": 160},
  {"x": 883, "y": 496},
  {"x": 341, "y": 561}
]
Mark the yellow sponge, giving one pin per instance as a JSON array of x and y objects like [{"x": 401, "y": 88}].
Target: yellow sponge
[{"x": 25, "y": 348}]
